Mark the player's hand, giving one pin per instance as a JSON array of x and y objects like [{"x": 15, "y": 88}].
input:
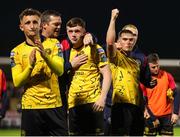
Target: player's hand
[
  {"x": 114, "y": 14},
  {"x": 32, "y": 57},
  {"x": 156, "y": 123},
  {"x": 146, "y": 114},
  {"x": 78, "y": 61},
  {"x": 99, "y": 104},
  {"x": 40, "y": 47},
  {"x": 118, "y": 45},
  {"x": 88, "y": 39},
  {"x": 174, "y": 118}
]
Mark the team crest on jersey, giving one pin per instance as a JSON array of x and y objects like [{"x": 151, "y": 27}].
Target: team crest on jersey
[
  {"x": 48, "y": 51},
  {"x": 12, "y": 59},
  {"x": 80, "y": 53},
  {"x": 60, "y": 49}
]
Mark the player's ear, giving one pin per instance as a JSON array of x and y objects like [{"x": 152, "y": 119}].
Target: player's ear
[
  {"x": 84, "y": 31},
  {"x": 21, "y": 27}
]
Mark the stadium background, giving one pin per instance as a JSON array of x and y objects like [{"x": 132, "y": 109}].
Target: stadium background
[
  {"x": 158, "y": 23},
  {"x": 157, "y": 20}
]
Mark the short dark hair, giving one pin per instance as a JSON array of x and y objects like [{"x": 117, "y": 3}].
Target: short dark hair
[
  {"x": 28, "y": 12},
  {"x": 152, "y": 58},
  {"x": 45, "y": 16},
  {"x": 124, "y": 31},
  {"x": 73, "y": 22}
]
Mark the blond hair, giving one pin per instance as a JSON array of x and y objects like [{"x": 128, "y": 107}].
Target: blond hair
[{"x": 129, "y": 26}]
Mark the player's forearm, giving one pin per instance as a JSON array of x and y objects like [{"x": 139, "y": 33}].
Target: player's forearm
[
  {"x": 110, "y": 39},
  {"x": 111, "y": 33},
  {"x": 20, "y": 78},
  {"x": 106, "y": 80},
  {"x": 56, "y": 63}
]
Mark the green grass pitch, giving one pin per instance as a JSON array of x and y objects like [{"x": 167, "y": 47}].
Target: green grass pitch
[{"x": 16, "y": 132}]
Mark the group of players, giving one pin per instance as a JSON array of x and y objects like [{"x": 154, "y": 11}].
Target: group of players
[{"x": 73, "y": 87}]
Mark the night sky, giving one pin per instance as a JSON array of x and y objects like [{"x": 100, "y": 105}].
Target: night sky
[{"x": 158, "y": 21}]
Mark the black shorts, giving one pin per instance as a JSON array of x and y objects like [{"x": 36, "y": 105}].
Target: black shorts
[
  {"x": 43, "y": 122},
  {"x": 84, "y": 121},
  {"x": 127, "y": 119},
  {"x": 165, "y": 127}
]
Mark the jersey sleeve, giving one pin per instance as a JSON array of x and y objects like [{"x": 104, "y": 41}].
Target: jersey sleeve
[
  {"x": 102, "y": 56},
  {"x": 172, "y": 83},
  {"x": 19, "y": 75},
  {"x": 56, "y": 61}
]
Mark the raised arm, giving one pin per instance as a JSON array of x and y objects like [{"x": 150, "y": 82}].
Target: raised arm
[{"x": 111, "y": 34}]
